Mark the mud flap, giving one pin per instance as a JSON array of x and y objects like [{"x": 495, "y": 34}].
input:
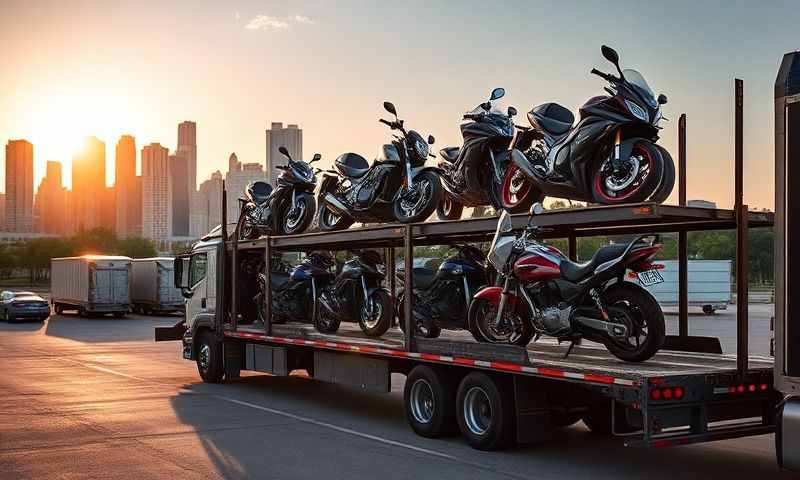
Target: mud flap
[{"x": 170, "y": 334}]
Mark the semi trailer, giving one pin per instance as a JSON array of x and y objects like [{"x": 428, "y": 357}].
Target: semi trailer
[
  {"x": 153, "y": 286},
  {"x": 91, "y": 284}
]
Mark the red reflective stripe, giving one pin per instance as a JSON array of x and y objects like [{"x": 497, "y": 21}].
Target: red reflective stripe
[
  {"x": 549, "y": 372},
  {"x": 506, "y": 366},
  {"x": 598, "y": 378},
  {"x": 430, "y": 356},
  {"x": 463, "y": 361}
]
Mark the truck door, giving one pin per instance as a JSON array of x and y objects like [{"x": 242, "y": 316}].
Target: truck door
[{"x": 198, "y": 302}]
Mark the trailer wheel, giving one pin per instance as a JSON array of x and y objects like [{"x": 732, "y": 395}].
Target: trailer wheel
[
  {"x": 209, "y": 358},
  {"x": 485, "y": 412},
  {"x": 709, "y": 309},
  {"x": 430, "y": 397}
]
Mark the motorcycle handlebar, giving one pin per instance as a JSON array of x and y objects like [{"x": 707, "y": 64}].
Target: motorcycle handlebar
[
  {"x": 473, "y": 116},
  {"x": 387, "y": 122},
  {"x": 605, "y": 76}
]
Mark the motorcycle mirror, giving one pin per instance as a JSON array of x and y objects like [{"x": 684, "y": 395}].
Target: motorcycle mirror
[
  {"x": 536, "y": 209},
  {"x": 662, "y": 99},
  {"x": 285, "y": 152},
  {"x": 316, "y": 158},
  {"x": 498, "y": 92},
  {"x": 389, "y": 107},
  {"x": 512, "y": 111},
  {"x": 610, "y": 54},
  {"x": 431, "y": 139}
]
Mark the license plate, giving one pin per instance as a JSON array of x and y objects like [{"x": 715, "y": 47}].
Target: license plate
[{"x": 650, "y": 277}]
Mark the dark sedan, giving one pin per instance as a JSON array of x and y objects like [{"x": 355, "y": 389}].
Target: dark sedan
[{"x": 23, "y": 305}]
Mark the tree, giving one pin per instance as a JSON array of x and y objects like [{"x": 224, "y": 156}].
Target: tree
[{"x": 136, "y": 247}]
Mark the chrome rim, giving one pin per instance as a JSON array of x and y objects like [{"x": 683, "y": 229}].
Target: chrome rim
[
  {"x": 331, "y": 218},
  {"x": 371, "y": 313},
  {"x": 422, "y": 403},
  {"x": 477, "y": 411},
  {"x": 413, "y": 200},
  {"x": 494, "y": 333},
  {"x": 204, "y": 356},
  {"x": 295, "y": 216},
  {"x": 616, "y": 184}
]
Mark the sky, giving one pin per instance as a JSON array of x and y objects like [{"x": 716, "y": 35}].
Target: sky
[{"x": 76, "y": 68}]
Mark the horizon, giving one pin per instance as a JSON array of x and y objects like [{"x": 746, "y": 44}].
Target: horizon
[{"x": 239, "y": 67}]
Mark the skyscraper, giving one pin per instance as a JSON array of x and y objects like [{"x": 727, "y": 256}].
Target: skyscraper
[
  {"x": 89, "y": 184},
  {"x": 128, "y": 207},
  {"x": 178, "y": 170},
  {"x": 290, "y": 137},
  {"x": 51, "y": 201},
  {"x": 187, "y": 146},
  {"x": 19, "y": 186},
  {"x": 236, "y": 181},
  {"x": 207, "y": 213},
  {"x": 156, "y": 194}
]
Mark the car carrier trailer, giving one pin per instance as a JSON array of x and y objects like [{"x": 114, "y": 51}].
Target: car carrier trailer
[{"x": 689, "y": 392}]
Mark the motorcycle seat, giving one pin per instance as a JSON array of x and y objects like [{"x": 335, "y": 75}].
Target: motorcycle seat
[
  {"x": 551, "y": 117},
  {"x": 450, "y": 153},
  {"x": 278, "y": 280},
  {"x": 575, "y": 272},
  {"x": 352, "y": 165}
]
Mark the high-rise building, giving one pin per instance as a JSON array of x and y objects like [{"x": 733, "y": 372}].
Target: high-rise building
[
  {"x": 89, "y": 184},
  {"x": 108, "y": 209},
  {"x": 136, "y": 194},
  {"x": 19, "y": 186},
  {"x": 178, "y": 170},
  {"x": 3, "y": 212},
  {"x": 128, "y": 207},
  {"x": 51, "y": 202},
  {"x": 290, "y": 137},
  {"x": 236, "y": 181},
  {"x": 208, "y": 202},
  {"x": 156, "y": 193},
  {"x": 187, "y": 145}
]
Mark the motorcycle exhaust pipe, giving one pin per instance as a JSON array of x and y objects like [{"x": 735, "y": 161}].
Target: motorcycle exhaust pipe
[
  {"x": 337, "y": 206},
  {"x": 521, "y": 161}
]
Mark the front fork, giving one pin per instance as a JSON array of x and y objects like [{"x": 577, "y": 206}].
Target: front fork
[{"x": 499, "y": 319}]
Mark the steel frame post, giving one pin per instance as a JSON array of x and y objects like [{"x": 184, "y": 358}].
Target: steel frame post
[
  {"x": 572, "y": 251},
  {"x": 267, "y": 287},
  {"x": 683, "y": 261},
  {"x": 742, "y": 354},
  {"x": 222, "y": 262},
  {"x": 408, "y": 288}
]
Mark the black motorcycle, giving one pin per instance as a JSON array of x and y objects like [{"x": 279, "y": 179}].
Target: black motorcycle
[
  {"x": 284, "y": 210},
  {"x": 397, "y": 187},
  {"x": 609, "y": 157},
  {"x": 356, "y": 293},
  {"x": 294, "y": 289},
  {"x": 442, "y": 297},
  {"x": 474, "y": 173}
]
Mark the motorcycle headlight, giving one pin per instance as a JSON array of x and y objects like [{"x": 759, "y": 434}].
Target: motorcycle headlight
[
  {"x": 421, "y": 147},
  {"x": 637, "y": 111}
]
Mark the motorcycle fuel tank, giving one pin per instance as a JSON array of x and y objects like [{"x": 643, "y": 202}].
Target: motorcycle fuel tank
[
  {"x": 454, "y": 268},
  {"x": 535, "y": 268}
]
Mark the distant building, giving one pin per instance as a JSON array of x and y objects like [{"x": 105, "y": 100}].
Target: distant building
[
  {"x": 237, "y": 180},
  {"x": 128, "y": 207},
  {"x": 178, "y": 170},
  {"x": 88, "y": 184},
  {"x": 51, "y": 202},
  {"x": 156, "y": 193},
  {"x": 277, "y": 136},
  {"x": 209, "y": 200},
  {"x": 2, "y": 211},
  {"x": 701, "y": 204},
  {"x": 187, "y": 146},
  {"x": 19, "y": 186},
  {"x": 108, "y": 209}
]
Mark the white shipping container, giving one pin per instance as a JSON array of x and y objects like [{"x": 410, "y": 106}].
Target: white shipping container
[
  {"x": 709, "y": 284},
  {"x": 153, "y": 287},
  {"x": 91, "y": 284}
]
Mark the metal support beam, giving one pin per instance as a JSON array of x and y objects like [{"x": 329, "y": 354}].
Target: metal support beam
[
  {"x": 268, "y": 288},
  {"x": 392, "y": 272},
  {"x": 222, "y": 265},
  {"x": 683, "y": 261},
  {"x": 408, "y": 288},
  {"x": 572, "y": 251},
  {"x": 235, "y": 271},
  {"x": 742, "y": 354}
]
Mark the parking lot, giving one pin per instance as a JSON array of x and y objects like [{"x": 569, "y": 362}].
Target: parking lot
[{"x": 97, "y": 398}]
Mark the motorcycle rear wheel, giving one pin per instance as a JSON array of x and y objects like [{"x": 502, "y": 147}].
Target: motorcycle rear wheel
[
  {"x": 427, "y": 332},
  {"x": 634, "y": 307},
  {"x": 668, "y": 179},
  {"x": 329, "y": 221},
  {"x": 517, "y": 193},
  {"x": 325, "y": 322},
  {"x": 482, "y": 316},
  {"x": 448, "y": 208}
]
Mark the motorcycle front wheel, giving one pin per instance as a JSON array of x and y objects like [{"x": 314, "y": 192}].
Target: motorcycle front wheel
[
  {"x": 418, "y": 203},
  {"x": 633, "y": 306},
  {"x": 297, "y": 219},
  {"x": 325, "y": 321},
  {"x": 637, "y": 179},
  {"x": 484, "y": 328},
  {"x": 432, "y": 331},
  {"x": 375, "y": 316}
]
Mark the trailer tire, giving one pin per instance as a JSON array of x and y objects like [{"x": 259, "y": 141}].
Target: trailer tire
[
  {"x": 709, "y": 309},
  {"x": 485, "y": 412},
  {"x": 209, "y": 357},
  {"x": 430, "y": 402}
]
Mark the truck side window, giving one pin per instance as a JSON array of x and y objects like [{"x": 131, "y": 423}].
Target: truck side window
[{"x": 197, "y": 270}]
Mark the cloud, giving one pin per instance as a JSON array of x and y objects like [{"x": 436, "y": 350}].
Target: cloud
[{"x": 266, "y": 22}]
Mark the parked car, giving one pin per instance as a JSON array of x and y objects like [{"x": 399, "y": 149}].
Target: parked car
[{"x": 23, "y": 305}]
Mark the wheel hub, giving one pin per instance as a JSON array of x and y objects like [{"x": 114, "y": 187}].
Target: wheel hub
[
  {"x": 422, "y": 403},
  {"x": 295, "y": 215},
  {"x": 204, "y": 356},
  {"x": 477, "y": 411},
  {"x": 616, "y": 182},
  {"x": 414, "y": 198}
]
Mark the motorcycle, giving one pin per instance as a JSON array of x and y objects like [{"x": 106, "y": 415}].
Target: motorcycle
[
  {"x": 442, "y": 297},
  {"x": 397, "y": 187},
  {"x": 543, "y": 293},
  {"x": 284, "y": 210},
  {"x": 609, "y": 157},
  {"x": 294, "y": 289},
  {"x": 356, "y": 292},
  {"x": 474, "y": 173}
]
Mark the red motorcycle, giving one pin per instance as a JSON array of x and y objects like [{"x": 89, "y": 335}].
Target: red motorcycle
[{"x": 543, "y": 293}]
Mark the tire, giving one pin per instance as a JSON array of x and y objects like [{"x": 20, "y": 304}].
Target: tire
[
  {"x": 482, "y": 315},
  {"x": 372, "y": 324},
  {"x": 426, "y": 332},
  {"x": 209, "y": 358},
  {"x": 429, "y": 398},
  {"x": 709, "y": 309},
  {"x": 329, "y": 221},
  {"x": 59, "y": 309},
  {"x": 448, "y": 208},
  {"x": 667, "y": 180},
  {"x": 636, "y": 308},
  {"x": 82, "y": 312},
  {"x": 485, "y": 412},
  {"x": 118, "y": 314},
  {"x": 639, "y": 189},
  {"x": 325, "y": 322},
  {"x": 517, "y": 193},
  {"x": 307, "y": 205},
  {"x": 248, "y": 232},
  {"x": 424, "y": 207}
]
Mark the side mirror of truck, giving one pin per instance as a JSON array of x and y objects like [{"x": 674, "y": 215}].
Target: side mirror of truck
[{"x": 181, "y": 272}]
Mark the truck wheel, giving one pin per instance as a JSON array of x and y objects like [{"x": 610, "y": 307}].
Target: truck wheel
[
  {"x": 209, "y": 358},
  {"x": 430, "y": 396},
  {"x": 709, "y": 309},
  {"x": 485, "y": 412}
]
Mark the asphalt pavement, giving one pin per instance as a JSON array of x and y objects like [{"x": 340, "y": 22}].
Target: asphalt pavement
[{"x": 97, "y": 398}]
